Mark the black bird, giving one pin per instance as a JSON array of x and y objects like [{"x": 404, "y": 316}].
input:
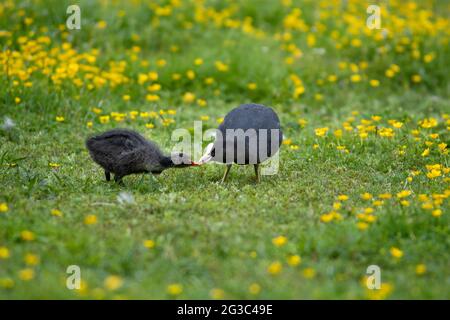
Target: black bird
[
  {"x": 249, "y": 134},
  {"x": 124, "y": 152}
]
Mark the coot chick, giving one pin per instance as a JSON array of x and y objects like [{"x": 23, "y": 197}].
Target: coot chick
[
  {"x": 249, "y": 134},
  {"x": 124, "y": 152}
]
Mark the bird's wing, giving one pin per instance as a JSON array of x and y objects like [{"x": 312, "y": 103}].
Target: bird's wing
[{"x": 131, "y": 161}]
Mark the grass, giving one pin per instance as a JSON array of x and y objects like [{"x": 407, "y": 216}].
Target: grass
[{"x": 233, "y": 240}]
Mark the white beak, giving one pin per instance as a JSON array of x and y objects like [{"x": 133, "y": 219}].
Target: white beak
[{"x": 207, "y": 155}]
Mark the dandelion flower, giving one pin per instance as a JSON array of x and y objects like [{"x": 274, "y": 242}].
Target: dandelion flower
[
  {"x": 294, "y": 260},
  {"x": 149, "y": 244},
  {"x": 274, "y": 268},
  {"x": 90, "y": 219},
  {"x": 31, "y": 259},
  {"x": 366, "y": 196},
  {"x": 174, "y": 289},
  {"x": 396, "y": 252},
  {"x": 279, "y": 241},
  {"x": 421, "y": 269},
  {"x": 4, "y": 253},
  {"x": 27, "y": 235},
  {"x": 3, "y": 207},
  {"x": 217, "y": 294},
  {"x": 309, "y": 273},
  {"x": 254, "y": 289},
  {"x": 26, "y": 274},
  {"x": 113, "y": 282}
]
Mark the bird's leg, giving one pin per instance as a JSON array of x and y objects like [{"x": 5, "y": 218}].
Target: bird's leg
[
  {"x": 257, "y": 172},
  {"x": 227, "y": 171},
  {"x": 107, "y": 175},
  {"x": 118, "y": 179}
]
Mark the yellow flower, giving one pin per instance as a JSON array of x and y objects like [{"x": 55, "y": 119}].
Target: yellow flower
[
  {"x": 113, "y": 282},
  {"x": 17, "y": 100},
  {"x": 338, "y": 133},
  {"x": 174, "y": 289},
  {"x": 201, "y": 102},
  {"x": 56, "y": 213},
  {"x": 327, "y": 217},
  {"x": 416, "y": 78},
  {"x": 366, "y": 196},
  {"x": 254, "y": 289},
  {"x": 429, "y": 57},
  {"x": 279, "y": 241},
  {"x": 152, "y": 75},
  {"x": 382, "y": 293},
  {"x": 403, "y": 194},
  {"x": 220, "y": 66},
  {"x": 190, "y": 75},
  {"x": 6, "y": 283},
  {"x": 149, "y": 244},
  {"x": 298, "y": 91},
  {"x": 332, "y": 78},
  {"x": 209, "y": 81},
  {"x": 436, "y": 213},
  {"x": 217, "y": 294},
  {"x": 362, "y": 225},
  {"x": 390, "y": 73},
  {"x": 374, "y": 83},
  {"x": 427, "y": 205},
  {"x": 26, "y": 274},
  {"x": 385, "y": 196},
  {"x": 428, "y": 123},
  {"x": 421, "y": 269},
  {"x": 59, "y": 119},
  {"x": 426, "y": 152},
  {"x": 31, "y": 259},
  {"x": 27, "y": 235},
  {"x": 252, "y": 86},
  {"x": 154, "y": 87},
  {"x": 198, "y": 61},
  {"x": 89, "y": 124},
  {"x": 4, "y": 253},
  {"x": 161, "y": 62},
  {"x": 189, "y": 97},
  {"x": 126, "y": 97},
  {"x": 320, "y": 132},
  {"x": 90, "y": 219},
  {"x": 378, "y": 203},
  {"x": 404, "y": 203},
  {"x": 342, "y": 197},
  {"x": 309, "y": 273},
  {"x": 355, "y": 78},
  {"x": 101, "y": 24},
  {"x": 274, "y": 268},
  {"x": 3, "y": 207},
  {"x": 152, "y": 97},
  {"x": 204, "y": 118},
  {"x": 302, "y": 122},
  {"x": 104, "y": 119},
  {"x": 396, "y": 252},
  {"x": 294, "y": 260}
]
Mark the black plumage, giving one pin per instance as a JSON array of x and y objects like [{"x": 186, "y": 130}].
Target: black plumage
[
  {"x": 124, "y": 152},
  {"x": 249, "y": 134}
]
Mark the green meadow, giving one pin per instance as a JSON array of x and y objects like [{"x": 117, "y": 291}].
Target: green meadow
[{"x": 363, "y": 174}]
